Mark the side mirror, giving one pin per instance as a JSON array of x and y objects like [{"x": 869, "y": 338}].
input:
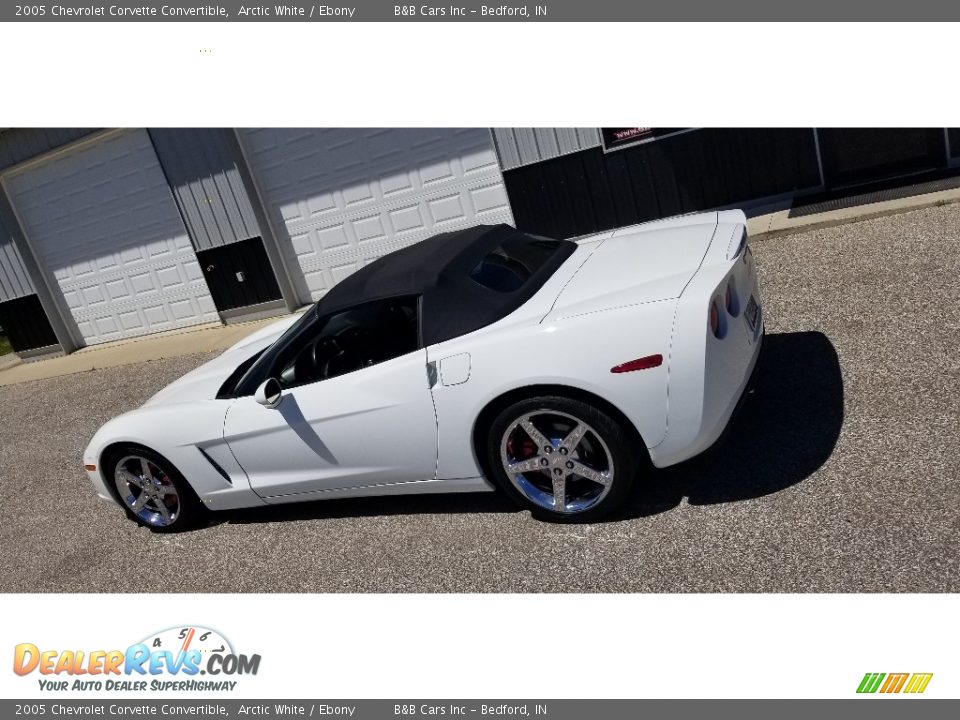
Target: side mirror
[{"x": 269, "y": 394}]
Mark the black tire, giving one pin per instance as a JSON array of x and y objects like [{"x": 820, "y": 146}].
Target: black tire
[
  {"x": 620, "y": 445},
  {"x": 190, "y": 512}
]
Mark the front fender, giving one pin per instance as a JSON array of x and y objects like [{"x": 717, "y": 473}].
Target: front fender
[{"x": 189, "y": 435}]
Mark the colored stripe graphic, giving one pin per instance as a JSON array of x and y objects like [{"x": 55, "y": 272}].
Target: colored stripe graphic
[
  {"x": 918, "y": 682},
  {"x": 895, "y": 683},
  {"x": 870, "y": 683}
]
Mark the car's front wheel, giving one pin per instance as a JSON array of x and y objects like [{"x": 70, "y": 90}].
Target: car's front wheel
[
  {"x": 564, "y": 459},
  {"x": 152, "y": 491}
]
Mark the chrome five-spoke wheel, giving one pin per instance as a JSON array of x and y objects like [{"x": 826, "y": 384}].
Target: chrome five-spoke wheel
[
  {"x": 557, "y": 461},
  {"x": 147, "y": 490}
]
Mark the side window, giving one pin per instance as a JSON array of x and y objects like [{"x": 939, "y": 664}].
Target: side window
[{"x": 352, "y": 340}]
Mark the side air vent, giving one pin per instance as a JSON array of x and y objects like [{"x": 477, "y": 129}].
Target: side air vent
[{"x": 223, "y": 473}]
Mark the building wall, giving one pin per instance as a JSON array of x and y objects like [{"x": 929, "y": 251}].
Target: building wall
[
  {"x": 517, "y": 147},
  {"x": 20, "y": 144},
  {"x": 593, "y": 190},
  {"x": 440, "y": 178},
  {"x": 217, "y": 201},
  {"x": 201, "y": 168},
  {"x": 14, "y": 279},
  {"x": 953, "y": 139},
  {"x": 338, "y": 198},
  {"x": 22, "y": 315},
  {"x": 25, "y": 325},
  {"x": 560, "y": 182}
]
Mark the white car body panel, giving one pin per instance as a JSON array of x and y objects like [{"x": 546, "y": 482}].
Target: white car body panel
[
  {"x": 622, "y": 295},
  {"x": 501, "y": 363},
  {"x": 375, "y": 426},
  {"x": 709, "y": 375},
  {"x": 664, "y": 263},
  {"x": 179, "y": 431},
  {"x": 205, "y": 381}
]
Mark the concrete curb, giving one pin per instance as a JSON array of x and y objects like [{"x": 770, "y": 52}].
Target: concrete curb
[
  {"x": 194, "y": 341},
  {"x": 8, "y": 361},
  {"x": 774, "y": 220}
]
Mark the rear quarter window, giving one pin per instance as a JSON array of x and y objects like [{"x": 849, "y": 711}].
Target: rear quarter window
[{"x": 508, "y": 268}]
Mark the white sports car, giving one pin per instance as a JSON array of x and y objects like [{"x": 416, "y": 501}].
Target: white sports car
[{"x": 555, "y": 370}]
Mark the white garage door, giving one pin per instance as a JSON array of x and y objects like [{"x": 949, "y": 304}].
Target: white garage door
[
  {"x": 103, "y": 222},
  {"x": 343, "y": 197}
]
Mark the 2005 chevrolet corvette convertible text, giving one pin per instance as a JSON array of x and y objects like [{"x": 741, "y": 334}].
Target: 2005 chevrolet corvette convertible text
[{"x": 556, "y": 370}]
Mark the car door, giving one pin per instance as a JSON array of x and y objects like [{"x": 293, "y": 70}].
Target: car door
[{"x": 367, "y": 420}]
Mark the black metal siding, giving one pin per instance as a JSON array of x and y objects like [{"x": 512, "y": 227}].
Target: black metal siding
[
  {"x": 201, "y": 168},
  {"x": 593, "y": 190},
  {"x": 220, "y": 267},
  {"x": 856, "y": 156},
  {"x": 25, "y": 324}
]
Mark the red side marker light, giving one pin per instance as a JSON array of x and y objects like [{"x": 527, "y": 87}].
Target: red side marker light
[
  {"x": 91, "y": 468},
  {"x": 644, "y": 363}
]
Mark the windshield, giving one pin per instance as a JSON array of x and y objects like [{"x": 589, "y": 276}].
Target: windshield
[{"x": 250, "y": 369}]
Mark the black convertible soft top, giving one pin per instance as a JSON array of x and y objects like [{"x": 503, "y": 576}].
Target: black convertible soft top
[{"x": 439, "y": 270}]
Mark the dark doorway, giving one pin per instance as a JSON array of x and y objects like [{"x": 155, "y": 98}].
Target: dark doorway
[
  {"x": 25, "y": 324},
  {"x": 954, "y": 137},
  {"x": 857, "y": 156},
  {"x": 239, "y": 274}
]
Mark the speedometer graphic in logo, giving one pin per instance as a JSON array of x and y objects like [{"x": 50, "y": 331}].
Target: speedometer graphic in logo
[{"x": 193, "y": 637}]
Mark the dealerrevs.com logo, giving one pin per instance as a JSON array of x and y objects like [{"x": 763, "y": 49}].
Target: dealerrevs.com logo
[{"x": 169, "y": 660}]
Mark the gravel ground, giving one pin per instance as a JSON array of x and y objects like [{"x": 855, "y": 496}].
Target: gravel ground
[{"x": 840, "y": 475}]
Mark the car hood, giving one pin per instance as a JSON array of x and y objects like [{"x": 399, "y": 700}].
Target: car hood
[
  {"x": 638, "y": 264},
  {"x": 204, "y": 382}
]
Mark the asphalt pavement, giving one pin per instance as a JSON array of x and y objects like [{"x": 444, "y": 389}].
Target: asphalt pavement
[{"x": 841, "y": 474}]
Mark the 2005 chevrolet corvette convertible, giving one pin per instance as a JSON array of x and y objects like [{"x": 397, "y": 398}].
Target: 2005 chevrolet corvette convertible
[{"x": 558, "y": 371}]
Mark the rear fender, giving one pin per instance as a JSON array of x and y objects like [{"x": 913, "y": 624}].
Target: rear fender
[{"x": 582, "y": 352}]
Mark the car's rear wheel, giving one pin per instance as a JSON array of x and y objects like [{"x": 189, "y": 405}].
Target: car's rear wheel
[
  {"x": 152, "y": 491},
  {"x": 564, "y": 459}
]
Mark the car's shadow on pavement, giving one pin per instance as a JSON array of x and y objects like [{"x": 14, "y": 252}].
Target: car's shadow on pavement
[{"x": 786, "y": 429}]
